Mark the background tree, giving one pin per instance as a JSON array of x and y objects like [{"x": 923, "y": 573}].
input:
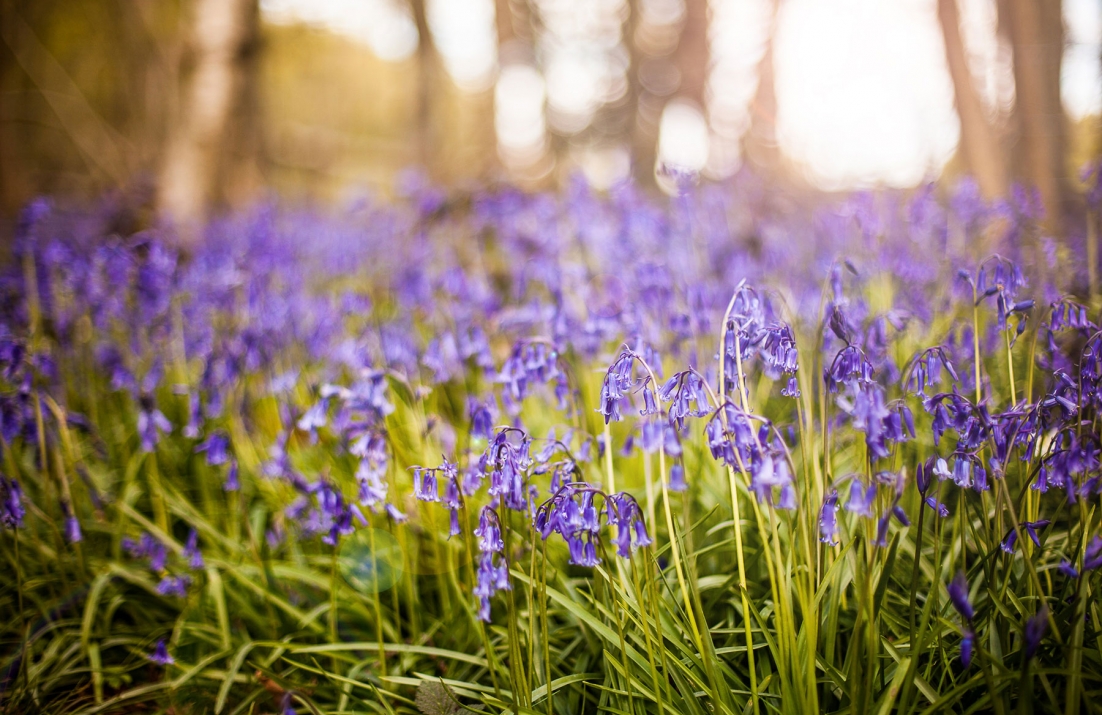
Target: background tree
[
  {"x": 759, "y": 144},
  {"x": 1036, "y": 30},
  {"x": 979, "y": 140},
  {"x": 218, "y": 65}
]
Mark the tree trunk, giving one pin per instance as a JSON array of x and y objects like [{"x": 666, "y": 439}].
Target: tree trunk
[
  {"x": 428, "y": 73},
  {"x": 1036, "y": 31},
  {"x": 759, "y": 144},
  {"x": 691, "y": 56},
  {"x": 979, "y": 142},
  {"x": 217, "y": 64}
]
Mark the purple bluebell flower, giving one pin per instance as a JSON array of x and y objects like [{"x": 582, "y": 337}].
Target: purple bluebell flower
[
  {"x": 482, "y": 415},
  {"x": 860, "y": 498},
  {"x": 1092, "y": 558},
  {"x": 160, "y": 654},
  {"x": 396, "y": 515},
  {"x": 193, "y": 428},
  {"x": 778, "y": 349},
  {"x": 232, "y": 482},
  {"x": 958, "y": 595},
  {"x": 617, "y": 383},
  {"x": 147, "y": 547},
  {"x": 624, "y": 513},
  {"x": 489, "y": 532},
  {"x": 1068, "y": 314},
  {"x": 1067, "y": 569},
  {"x": 151, "y": 424},
  {"x": 939, "y": 507},
  {"x": 217, "y": 448},
  {"x": 850, "y": 367},
  {"x": 314, "y": 418},
  {"x": 677, "y": 478},
  {"x": 967, "y": 642},
  {"x": 828, "y": 519},
  {"x": 174, "y": 586},
  {"x": 787, "y": 500},
  {"x": 1031, "y": 528},
  {"x": 507, "y": 463},
  {"x": 424, "y": 484},
  {"x": 11, "y": 503},
  {"x": 72, "y": 527},
  {"x": 192, "y": 553},
  {"x": 491, "y": 576},
  {"x": 926, "y": 370},
  {"x": 839, "y": 325},
  {"x": 1035, "y": 629}
]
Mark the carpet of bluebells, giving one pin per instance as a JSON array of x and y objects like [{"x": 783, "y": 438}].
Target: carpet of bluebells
[{"x": 730, "y": 452}]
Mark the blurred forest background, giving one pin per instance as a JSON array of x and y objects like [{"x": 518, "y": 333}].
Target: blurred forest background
[{"x": 194, "y": 105}]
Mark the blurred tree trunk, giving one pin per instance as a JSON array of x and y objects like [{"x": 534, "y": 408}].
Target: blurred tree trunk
[
  {"x": 644, "y": 107},
  {"x": 218, "y": 68},
  {"x": 759, "y": 144},
  {"x": 979, "y": 142},
  {"x": 506, "y": 22},
  {"x": 1037, "y": 35},
  {"x": 428, "y": 75},
  {"x": 691, "y": 55}
]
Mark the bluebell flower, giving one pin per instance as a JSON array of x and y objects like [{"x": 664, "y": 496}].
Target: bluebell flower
[
  {"x": 147, "y": 547},
  {"x": 72, "y": 530},
  {"x": 850, "y": 367},
  {"x": 687, "y": 395},
  {"x": 860, "y": 499},
  {"x": 192, "y": 553},
  {"x": 11, "y": 503},
  {"x": 778, "y": 348},
  {"x": 160, "y": 654},
  {"x": 482, "y": 415},
  {"x": 489, "y": 532},
  {"x": 967, "y": 642},
  {"x": 1067, "y": 569},
  {"x": 151, "y": 424},
  {"x": 491, "y": 576},
  {"x": 174, "y": 586},
  {"x": 677, "y": 478},
  {"x": 926, "y": 370},
  {"x": 507, "y": 463},
  {"x": 1069, "y": 314},
  {"x": 1035, "y": 629},
  {"x": 940, "y": 508},
  {"x": 828, "y": 519},
  {"x": 1092, "y": 558},
  {"x": 232, "y": 483},
  {"x": 1030, "y": 528},
  {"x": 958, "y": 595},
  {"x": 314, "y": 418},
  {"x": 216, "y": 446},
  {"x": 839, "y": 325},
  {"x": 617, "y": 383},
  {"x": 424, "y": 484}
]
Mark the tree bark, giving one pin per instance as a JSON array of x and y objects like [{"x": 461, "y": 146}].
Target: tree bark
[
  {"x": 1036, "y": 31},
  {"x": 218, "y": 64},
  {"x": 759, "y": 144},
  {"x": 692, "y": 56},
  {"x": 428, "y": 75},
  {"x": 979, "y": 142}
]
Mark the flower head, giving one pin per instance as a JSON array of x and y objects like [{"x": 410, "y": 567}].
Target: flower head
[
  {"x": 160, "y": 654},
  {"x": 958, "y": 595}
]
